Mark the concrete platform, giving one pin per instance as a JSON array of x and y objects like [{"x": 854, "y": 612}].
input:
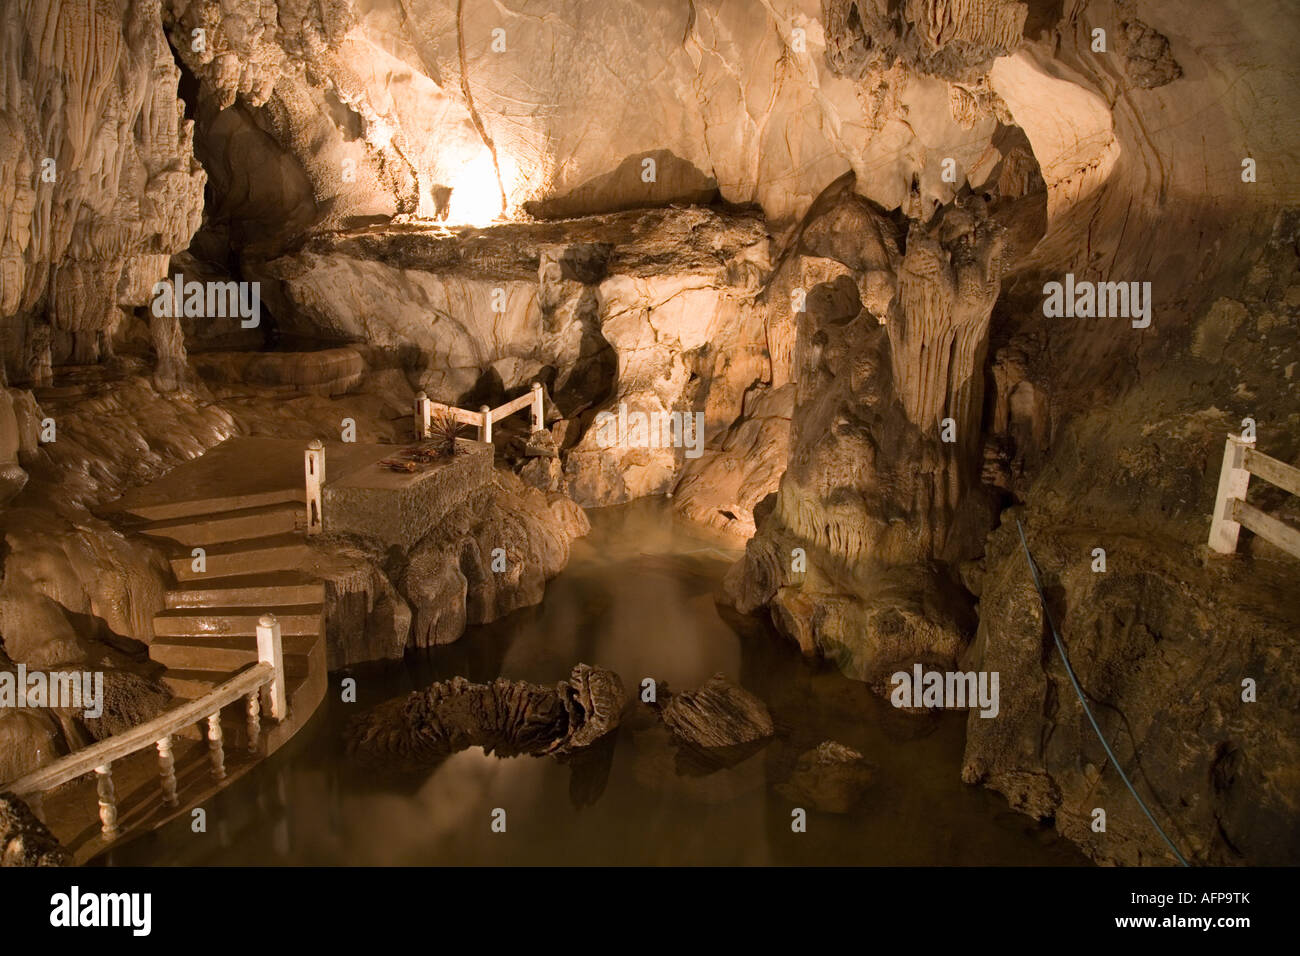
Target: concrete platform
[
  {"x": 243, "y": 473},
  {"x": 374, "y": 501}
]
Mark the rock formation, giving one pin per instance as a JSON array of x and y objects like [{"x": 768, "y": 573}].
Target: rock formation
[
  {"x": 1161, "y": 649},
  {"x": 456, "y": 576},
  {"x": 98, "y": 182},
  {"x": 455, "y": 111},
  {"x": 505, "y": 717},
  {"x": 718, "y": 722},
  {"x": 886, "y": 449},
  {"x": 647, "y": 311},
  {"x": 24, "y": 840}
]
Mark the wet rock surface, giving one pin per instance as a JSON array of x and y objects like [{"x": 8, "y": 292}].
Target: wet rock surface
[
  {"x": 24, "y": 840},
  {"x": 1161, "y": 649},
  {"x": 488, "y": 556}
]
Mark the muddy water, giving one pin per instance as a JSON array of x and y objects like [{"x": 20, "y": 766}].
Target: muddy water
[{"x": 637, "y": 597}]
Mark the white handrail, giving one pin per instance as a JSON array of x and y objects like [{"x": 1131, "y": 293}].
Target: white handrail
[
  {"x": 1271, "y": 470},
  {"x": 484, "y": 417},
  {"x": 266, "y": 676},
  {"x": 509, "y": 408},
  {"x": 1231, "y": 510},
  {"x": 143, "y": 735}
]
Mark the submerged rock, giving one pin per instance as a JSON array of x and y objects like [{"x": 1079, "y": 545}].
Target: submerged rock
[
  {"x": 24, "y": 839},
  {"x": 831, "y": 778},
  {"x": 504, "y": 717}
]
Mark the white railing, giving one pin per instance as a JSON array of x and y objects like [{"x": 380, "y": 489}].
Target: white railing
[
  {"x": 484, "y": 417},
  {"x": 314, "y": 459},
  {"x": 1231, "y": 510},
  {"x": 264, "y": 679}
]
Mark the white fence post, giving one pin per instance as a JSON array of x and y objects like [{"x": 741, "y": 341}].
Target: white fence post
[
  {"x": 539, "y": 409},
  {"x": 1234, "y": 480},
  {"x": 315, "y": 472},
  {"x": 422, "y": 414},
  {"x": 485, "y": 430},
  {"x": 270, "y": 650}
]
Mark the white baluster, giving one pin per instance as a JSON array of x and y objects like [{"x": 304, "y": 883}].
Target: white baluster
[
  {"x": 485, "y": 430},
  {"x": 215, "y": 749},
  {"x": 167, "y": 769},
  {"x": 254, "y": 720},
  {"x": 107, "y": 801}
]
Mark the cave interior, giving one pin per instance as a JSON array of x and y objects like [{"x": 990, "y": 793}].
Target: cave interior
[{"x": 854, "y": 291}]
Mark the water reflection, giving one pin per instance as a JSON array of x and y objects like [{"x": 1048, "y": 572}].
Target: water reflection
[{"x": 638, "y": 598}]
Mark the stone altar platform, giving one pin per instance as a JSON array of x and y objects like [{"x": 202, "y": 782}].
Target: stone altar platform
[{"x": 373, "y": 501}]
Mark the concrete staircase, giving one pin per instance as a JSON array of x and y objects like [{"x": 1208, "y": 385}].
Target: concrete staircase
[
  {"x": 243, "y": 502},
  {"x": 253, "y": 546}
]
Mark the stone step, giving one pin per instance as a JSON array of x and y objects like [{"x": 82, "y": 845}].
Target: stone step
[
  {"x": 169, "y": 509},
  {"x": 226, "y": 654},
  {"x": 244, "y": 523},
  {"x": 190, "y": 684},
  {"x": 294, "y": 619},
  {"x": 250, "y": 590},
  {"x": 246, "y": 556}
]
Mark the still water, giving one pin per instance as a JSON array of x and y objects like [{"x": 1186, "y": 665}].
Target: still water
[{"x": 638, "y": 597}]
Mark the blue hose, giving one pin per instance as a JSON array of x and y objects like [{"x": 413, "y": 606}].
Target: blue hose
[{"x": 1065, "y": 659}]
